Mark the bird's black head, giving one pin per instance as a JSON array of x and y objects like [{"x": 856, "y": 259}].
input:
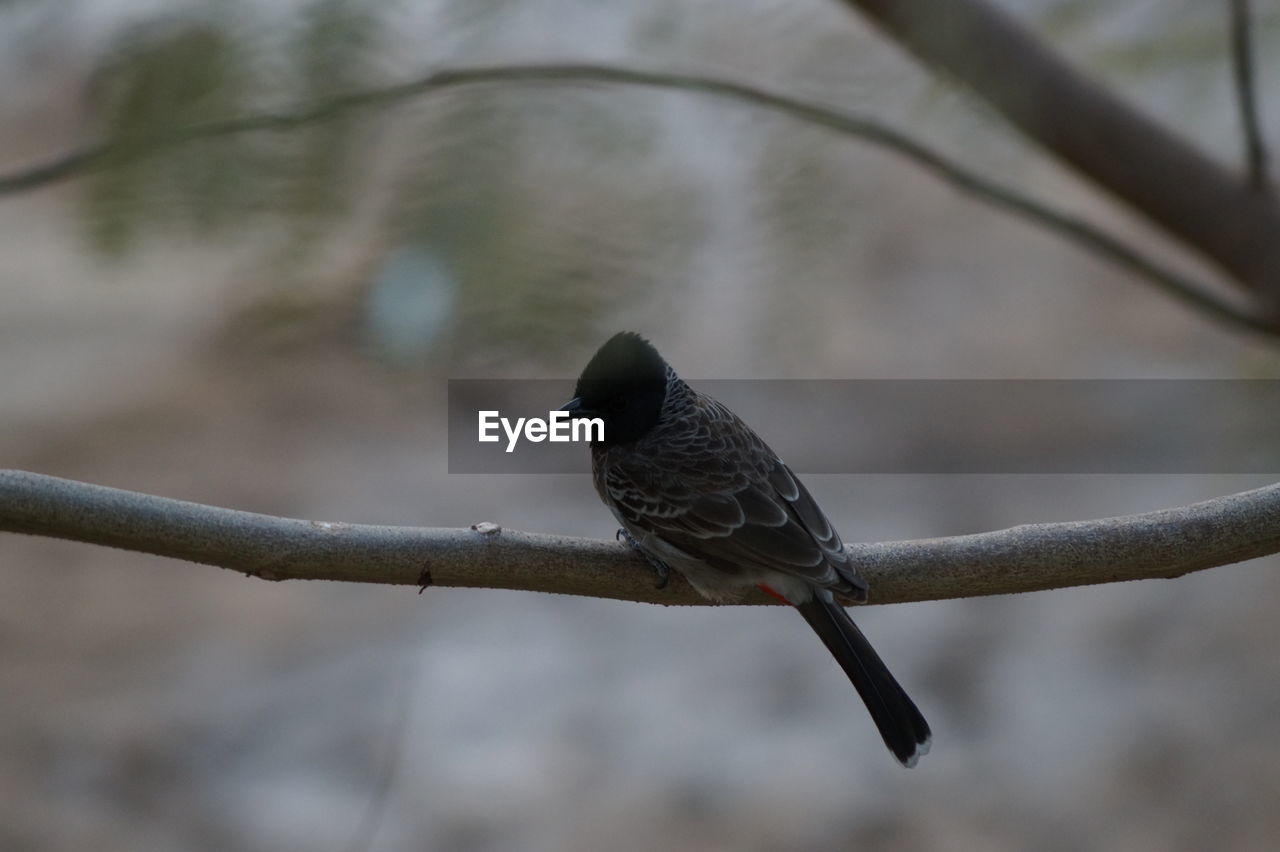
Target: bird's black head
[{"x": 624, "y": 384}]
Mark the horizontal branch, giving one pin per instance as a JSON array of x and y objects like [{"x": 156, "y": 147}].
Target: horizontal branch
[
  {"x": 1167, "y": 543},
  {"x": 1064, "y": 225}
]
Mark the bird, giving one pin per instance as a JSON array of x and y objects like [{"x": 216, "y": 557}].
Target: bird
[{"x": 697, "y": 491}]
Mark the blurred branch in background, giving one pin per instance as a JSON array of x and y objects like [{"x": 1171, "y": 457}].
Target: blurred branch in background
[
  {"x": 1166, "y": 543},
  {"x": 1128, "y": 154},
  {"x": 1246, "y": 93},
  {"x": 127, "y": 152}
]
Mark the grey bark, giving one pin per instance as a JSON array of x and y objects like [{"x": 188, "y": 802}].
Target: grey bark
[{"x": 1165, "y": 543}]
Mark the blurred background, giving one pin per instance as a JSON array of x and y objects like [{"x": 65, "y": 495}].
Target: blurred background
[{"x": 267, "y": 321}]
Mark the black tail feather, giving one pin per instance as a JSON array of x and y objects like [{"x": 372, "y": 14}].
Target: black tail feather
[{"x": 905, "y": 731}]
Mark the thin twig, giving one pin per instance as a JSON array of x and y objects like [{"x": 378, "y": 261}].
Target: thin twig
[
  {"x": 1246, "y": 93},
  {"x": 1166, "y": 543},
  {"x": 1091, "y": 237}
]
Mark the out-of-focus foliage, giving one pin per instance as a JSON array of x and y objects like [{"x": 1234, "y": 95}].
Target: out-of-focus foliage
[
  {"x": 163, "y": 79},
  {"x": 330, "y": 56},
  {"x": 546, "y": 206},
  {"x": 157, "y": 81},
  {"x": 471, "y": 170},
  {"x": 503, "y": 191}
]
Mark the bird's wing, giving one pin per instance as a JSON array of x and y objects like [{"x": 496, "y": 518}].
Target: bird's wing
[{"x": 732, "y": 503}]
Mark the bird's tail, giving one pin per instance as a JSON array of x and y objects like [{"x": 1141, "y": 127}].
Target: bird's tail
[{"x": 905, "y": 731}]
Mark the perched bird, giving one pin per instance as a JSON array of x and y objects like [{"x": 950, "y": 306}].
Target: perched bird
[{"x": 697, "y": 490}]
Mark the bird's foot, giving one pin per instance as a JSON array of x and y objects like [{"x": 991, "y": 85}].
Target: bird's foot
[{"x": 659, "y": 567}]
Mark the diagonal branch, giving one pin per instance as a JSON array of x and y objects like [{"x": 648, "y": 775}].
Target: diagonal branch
[
  {"x": 1090, "y": 237},
  {"x": 1127, "y": 153},
  {"x": 1166, "y": 543},
  {"x": 1246, "y": 94}
]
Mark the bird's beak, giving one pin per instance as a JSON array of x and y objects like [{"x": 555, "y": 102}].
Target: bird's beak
[{"x": 574, "y": 407}]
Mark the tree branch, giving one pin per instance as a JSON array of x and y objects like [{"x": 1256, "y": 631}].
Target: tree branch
[
  {"x": 1090, "y": 237},
  {"x": 1166, "y": 543},
  {"x": 1127, "y": 153},
  {"x": 1246, "y": 94}
]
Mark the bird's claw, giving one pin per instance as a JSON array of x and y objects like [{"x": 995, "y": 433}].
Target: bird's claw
[
  {"x": 659, "y": 567},
  {"x": 664, "y": 573}
]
